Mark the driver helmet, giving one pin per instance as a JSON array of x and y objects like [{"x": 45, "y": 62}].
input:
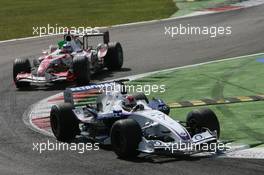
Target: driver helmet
[
  {"x": 67, "y": 48},
  {"x": 129, "y": 102}
]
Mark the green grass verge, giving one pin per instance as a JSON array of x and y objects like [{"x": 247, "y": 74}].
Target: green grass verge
[
  {"x": 187, "y": 7},
  {"x": 19, "y": 16},
  {"x": 242, "y": 122}
]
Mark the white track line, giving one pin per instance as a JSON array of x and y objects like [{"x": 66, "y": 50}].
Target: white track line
[
  {"x": 250, "y": 153},
  {"x": 196, "y": 13},
  {"x": 124, "y": 25},
  {"x": 134, "y": 77}
]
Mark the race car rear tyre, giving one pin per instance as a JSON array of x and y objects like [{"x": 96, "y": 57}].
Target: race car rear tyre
[
  {"x": 81, "y": 68},
  {"x": 125, "y": 137},
  {"x": 114, "y": 56},
  {"x": 205, "y": 117},
  {"x": 141, "y": 96},
  {"x": 64, "y": 124},
  {"x": 21, "y": 66}
]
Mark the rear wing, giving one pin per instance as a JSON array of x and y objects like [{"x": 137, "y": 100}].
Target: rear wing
[
  {"x": 105, "y": 35},
  {"x": 87, "y": 95}
]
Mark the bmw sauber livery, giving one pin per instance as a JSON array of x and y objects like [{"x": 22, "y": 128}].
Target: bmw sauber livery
[{"x": 131, "y": 123}]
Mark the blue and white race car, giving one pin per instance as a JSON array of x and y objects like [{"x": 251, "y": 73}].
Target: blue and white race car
[{"x": 131, "y": 123}]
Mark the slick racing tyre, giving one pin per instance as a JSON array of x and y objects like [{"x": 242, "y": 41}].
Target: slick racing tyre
[
  {"x": 125, "y": 137},
  {"x": 21, "y": 66},
  {"x": 64, "y": 124},
  {"x": 114, "y": 56},
  {"x": 203, "y": 118},
  {"x": 81, "y": 69},
  {"x": 141, "y": 96}
]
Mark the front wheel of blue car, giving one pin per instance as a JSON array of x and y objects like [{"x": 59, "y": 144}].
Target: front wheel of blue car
[
  {"x": 125, "y": 137},
  {"x": 202, "y": 118},
  {"x": 63, "y": 123}
]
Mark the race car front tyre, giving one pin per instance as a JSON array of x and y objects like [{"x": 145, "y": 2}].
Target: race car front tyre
[
  {"x": 114, "y": 56},
  {"x": 202, "y": 118},
  {"x": 125, "y": 137},
  {"x": 21, "y": 66},
  {"x": 64, "y": 124},
  {"x": 141, "y": 96},
  {"x": 81, "y": 69}
]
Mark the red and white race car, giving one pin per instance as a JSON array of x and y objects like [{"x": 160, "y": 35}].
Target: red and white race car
[{"x": 74, "y": 60}]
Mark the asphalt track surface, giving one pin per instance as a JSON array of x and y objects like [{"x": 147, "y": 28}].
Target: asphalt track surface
[{"x": 146, "y": 49}]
